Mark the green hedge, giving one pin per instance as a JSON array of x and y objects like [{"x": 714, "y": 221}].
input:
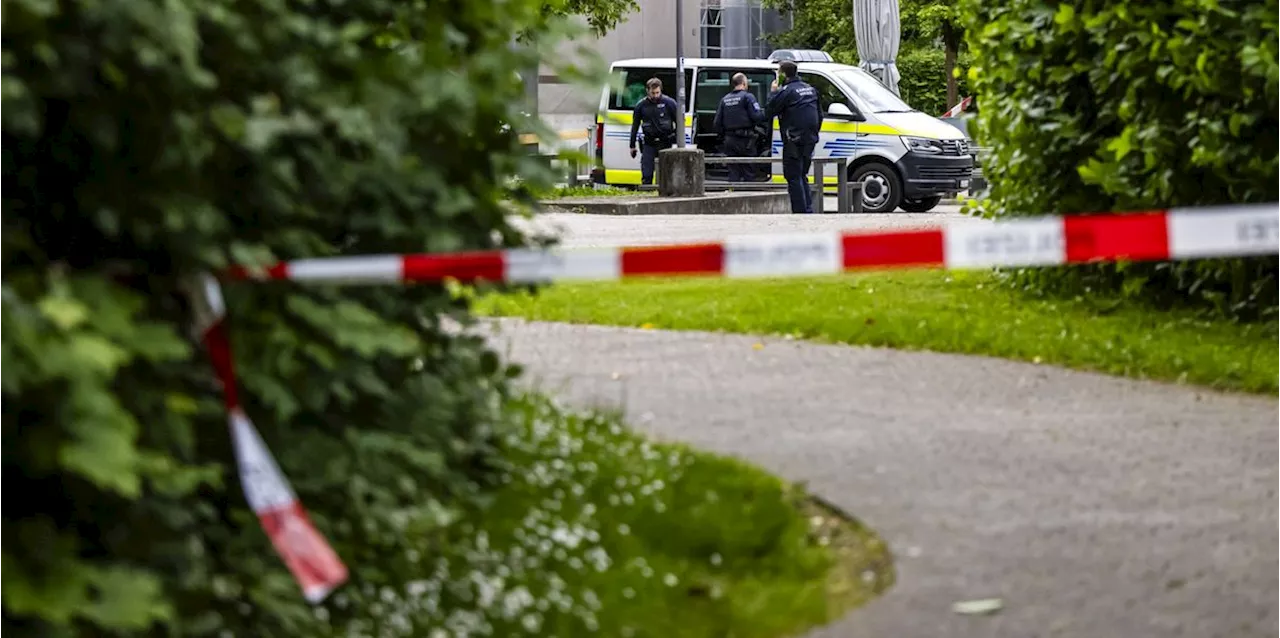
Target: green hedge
[
  {"x": 1131, "y": 106},
  {"x": 144, "y": 142},
  {"x": 924, "y": 79}
]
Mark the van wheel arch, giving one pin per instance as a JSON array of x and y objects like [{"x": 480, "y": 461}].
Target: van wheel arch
[{"x": 891, "y": 172}]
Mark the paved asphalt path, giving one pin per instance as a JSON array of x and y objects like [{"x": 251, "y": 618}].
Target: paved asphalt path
[
  {"x": 577, "y": 229},
  {"x": 1093, "y": 506}
]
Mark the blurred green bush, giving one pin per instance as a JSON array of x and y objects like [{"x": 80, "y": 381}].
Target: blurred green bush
[
  {"x": 145, "y": 142},
  {"x": 1132, "y": 106}
]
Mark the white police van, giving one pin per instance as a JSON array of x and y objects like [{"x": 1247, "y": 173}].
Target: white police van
[{"x": 902, "y": 157}]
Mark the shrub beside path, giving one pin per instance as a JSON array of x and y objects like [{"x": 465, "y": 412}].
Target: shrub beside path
[{"x": 1091, "y": 505}]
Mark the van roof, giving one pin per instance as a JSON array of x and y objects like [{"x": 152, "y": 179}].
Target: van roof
[{"x": 725, "y": 63}]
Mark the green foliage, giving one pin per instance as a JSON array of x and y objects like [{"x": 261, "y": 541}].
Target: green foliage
[
  {"x": 1132, "y": 106},
  {"x": 828, "y": 25},
  {"x": 145, "y": 142},
  {"x": 924, "y": 80},
  {"x": 956, "y": 311},
  {"x": 927, "y": 19},
  {"x": 601, "y": 15},
  {"x": 597, "y": 531}
]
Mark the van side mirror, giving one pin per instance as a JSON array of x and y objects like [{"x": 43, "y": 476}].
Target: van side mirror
[{"x": 841, "y": 112}]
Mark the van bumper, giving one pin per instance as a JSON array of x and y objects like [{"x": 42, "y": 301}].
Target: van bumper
[{"x": 935, "y": 175}]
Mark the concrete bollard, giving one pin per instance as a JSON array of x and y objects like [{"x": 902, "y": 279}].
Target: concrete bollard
[{"x": 682, "y": 173}]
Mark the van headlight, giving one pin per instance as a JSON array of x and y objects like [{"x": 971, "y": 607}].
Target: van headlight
[{"x": 922, "y": 145}]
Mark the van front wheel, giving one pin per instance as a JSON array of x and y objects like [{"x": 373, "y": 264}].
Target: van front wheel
[
  {"x": 922, "y": 205},
  {"x": 881, "y": 189}
]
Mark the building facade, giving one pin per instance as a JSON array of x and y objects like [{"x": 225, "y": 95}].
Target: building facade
[
  {"x": 712, "y": 29},
  {"x": 739, "y": 28}
]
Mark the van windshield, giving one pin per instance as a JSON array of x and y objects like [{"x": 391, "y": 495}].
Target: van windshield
[{"x": 871, "y": 92}]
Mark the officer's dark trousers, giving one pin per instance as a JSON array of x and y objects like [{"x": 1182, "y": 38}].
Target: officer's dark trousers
[
  {"x": 737, "y": 145},
  {"x": 648, "y": 159},
  {"x": 796, "y": 160}
]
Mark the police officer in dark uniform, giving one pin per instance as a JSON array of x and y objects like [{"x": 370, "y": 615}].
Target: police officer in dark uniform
[
  {"x": 799, "y": 115},
  {"x": 735, "y": 123},
  {"x": 656, "y": 115}
]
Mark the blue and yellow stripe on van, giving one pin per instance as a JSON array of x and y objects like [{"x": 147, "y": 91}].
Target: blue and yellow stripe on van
[
  {"x": 828, "y": 126},
  {"x": 854, "y": 137},
  {"x": 631, "y": 177}
]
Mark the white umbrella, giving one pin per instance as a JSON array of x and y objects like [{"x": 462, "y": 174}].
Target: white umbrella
[{"x": 877, "y": 29}]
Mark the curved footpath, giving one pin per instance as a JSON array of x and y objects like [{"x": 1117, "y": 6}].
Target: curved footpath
[{"x": 1093, "y": 506}]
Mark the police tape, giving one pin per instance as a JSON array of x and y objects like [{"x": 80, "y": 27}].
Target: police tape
[
  {"x": 1226, "y": 231},
  {"x": 308, "y": 556},
  {"x": 1174, "y": 234}
]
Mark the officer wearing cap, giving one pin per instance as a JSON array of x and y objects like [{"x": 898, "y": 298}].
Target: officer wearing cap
[
  {"x": 735, "y": 123},
  {"x": 799, "y": 115}
]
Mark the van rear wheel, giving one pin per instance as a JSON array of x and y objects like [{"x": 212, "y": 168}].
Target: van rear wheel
[
  {"x": 922, "y": 205},
  {"x": 881, "y": 188}
]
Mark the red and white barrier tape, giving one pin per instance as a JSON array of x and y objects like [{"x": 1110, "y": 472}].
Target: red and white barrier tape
[
  {"x": 959, "y": 108},
  {"x": 1226, "y": 231},
  {"x": 308, "y": 556}
]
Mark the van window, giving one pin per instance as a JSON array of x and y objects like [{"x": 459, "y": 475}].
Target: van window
[
  {"x": 633, "y": 80},
  {"x": 872, "y": 93},
  {"x": 713, "y": 84},
  {"x": 828, "y": 92}
]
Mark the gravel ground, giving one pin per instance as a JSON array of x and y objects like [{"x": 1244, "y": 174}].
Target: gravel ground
[
  {"x": 1092, "y": 506},
  {"x": 600, "y": 230}
]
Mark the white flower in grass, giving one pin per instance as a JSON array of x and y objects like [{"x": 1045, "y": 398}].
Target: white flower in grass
[
  {"x": 624, "y": 529},
  {"x": 516, "y": 601},
  {"x": 531, "y": 623},
  {"x": 628, "y": 593},
  {"x": 568, "y": 537},
  {"x": 599, "y": 558},
  {"x": 670, "y": 580},
  {"x": 716, "y": 559}
]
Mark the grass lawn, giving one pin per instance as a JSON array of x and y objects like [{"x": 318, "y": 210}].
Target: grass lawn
[
  {"x": 957, "y": 311},
  {"x": 598, "y": 531},
  {"x": 565, "y": 192}
]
